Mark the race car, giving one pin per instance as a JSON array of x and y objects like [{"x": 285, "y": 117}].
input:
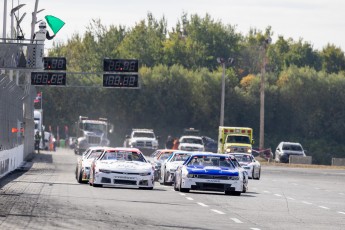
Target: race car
[
  {"x": 157, "y": 158},
  {"x": 82, "y": 171},
  {"x": 122, "y": 167},
  {"x": 209, "y": 172},
  {"x": 169, "y": 166},
  {"x": 248, "y": 162}
]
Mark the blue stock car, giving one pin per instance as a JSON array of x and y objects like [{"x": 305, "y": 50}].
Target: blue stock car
[{"x": 209, "y": 172}]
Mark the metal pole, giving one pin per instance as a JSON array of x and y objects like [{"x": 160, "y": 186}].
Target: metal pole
[
  {"x": 223, "y": 97},
  {"x": 4, "y": 21},
  {"x": 34, "y": 20},
  {"x": 262, "y": 101}
]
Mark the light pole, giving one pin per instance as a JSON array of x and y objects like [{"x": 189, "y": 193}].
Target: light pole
[
  {"x": 223, "y": 62},
  {"x": 262, "y": 92}
]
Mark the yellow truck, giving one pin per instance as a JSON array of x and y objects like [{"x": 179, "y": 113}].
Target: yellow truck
[{"x": 235, "y": 139}]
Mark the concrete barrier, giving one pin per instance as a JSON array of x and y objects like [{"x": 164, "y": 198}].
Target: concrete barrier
[
  {"x": 300, "y": 160},
  {"x": 338, "y": 161}
]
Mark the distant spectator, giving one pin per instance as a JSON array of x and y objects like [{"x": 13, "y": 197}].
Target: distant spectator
[
  {"x": 169, "y": 143},
  {"x": 176, "y": 144}
]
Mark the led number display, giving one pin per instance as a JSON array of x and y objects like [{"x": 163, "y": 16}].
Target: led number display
[
  {"x": 48, "y": 78},
  {"x": 54, "y": 63},
  {"x": 121, "y": 80},
  {"x": 120, "y": 65}
]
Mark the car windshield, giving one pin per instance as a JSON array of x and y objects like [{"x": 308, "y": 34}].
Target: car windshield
[
  {"x": 292, "y": 147},
  {"x": 243, "y": 158},
  {"x": 238, "y": 139},
  {"x": 92, "y": 127},
  {"x": 191, "y": 140},
  {"x": 164, "y": 156},
  {"x": 120, "y": 155},
  {"x": 180, "y": 157},
  {"x": 218, "y": 161},
  {"x": 143, "y": 134},
  {"x": 95, "y": 154}
]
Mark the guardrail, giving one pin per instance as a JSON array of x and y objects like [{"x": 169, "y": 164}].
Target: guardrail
[{"x": 338, "y": 161}]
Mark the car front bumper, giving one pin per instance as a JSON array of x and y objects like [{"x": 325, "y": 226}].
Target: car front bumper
[{"x": 124, "y": 180}]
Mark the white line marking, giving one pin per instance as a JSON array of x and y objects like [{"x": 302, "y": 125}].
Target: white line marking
[
  {"x": 342, "y": 213},
  {"x": 189, "y": 198},
  {"x": 236, "y": 220},
  {"x": 277, "y": 195},
  {"x": 255, "y": 228},
  {"x": 255, "y": 188},
  {"x": 290, "y": 198},
  {"x": 294, "y": 184},
  {"x": 305, "y": 202},
  {"x": 323, "y": 207},
  {"x": 202, "y": 204},
  {"x": 267, "y": 191},
  {"x": 317, "y": 188},
  {"x": 182, "y": 194},
  {"x": 341, "y": 193},
  {"x": 328, "y": 190},
  {"x": 216, "y": 211}
]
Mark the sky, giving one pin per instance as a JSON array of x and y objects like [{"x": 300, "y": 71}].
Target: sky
[{"x": 318, "y": 22}]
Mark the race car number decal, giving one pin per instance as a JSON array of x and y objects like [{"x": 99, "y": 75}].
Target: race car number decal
[{"x": 124, "y": 177}]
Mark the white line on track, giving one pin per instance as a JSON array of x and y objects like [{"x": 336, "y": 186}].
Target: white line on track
[
  {"x": 236, "y": 220},
  {"x": 255, "y": 228},
  {"x": 290, "y": 198},
  {"x": 189, "y": 198},
  {"x": 306, "y": 202},
  {"x": 202, "y": 204},
  {"x": 217, "y": 211},
  {"x": 341, "y": 213},
  {"x": 323, "y": 207},
  {"x": 182, "y": 194},
  {"x": 277, "y": 195},
  {"x": 341, "y": 193},
  {"x": 295, "y": 184},
  {"x": 267, "y": 191},
  {"x": 317, "y": 188}
]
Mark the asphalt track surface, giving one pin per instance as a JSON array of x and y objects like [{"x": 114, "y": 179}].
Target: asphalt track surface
[{"x": 46, "y": 195}]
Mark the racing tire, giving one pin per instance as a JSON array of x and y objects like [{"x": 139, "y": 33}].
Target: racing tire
[
  {"x": 80, "y": 177},
  {"x": 175, "y": 185},
  {"x": 258, "y": 178},
  {"x": 186, "y": 190}
]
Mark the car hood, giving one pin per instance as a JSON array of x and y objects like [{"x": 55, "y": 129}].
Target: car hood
[
  {"x": 143, "y": 138},
  {"x": 212, "y": 170},
  {"x": 191, "y": 145},
  {"x": 291, "y": 152},
  {"x": 125, "y": 166},
  {"x": 87, "y": 162},
  {"x": 174, "y": 164}
]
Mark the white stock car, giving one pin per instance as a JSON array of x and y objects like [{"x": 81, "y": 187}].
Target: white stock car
[
  {"x": 82, "y": 171},
  {"x": 209, "y": 172},
  {"x": 122, "y": 167},
  {"x": 191, "y": 143},
  {"x": 248, "y": 163},
  {"x": 170, "y": 165}
]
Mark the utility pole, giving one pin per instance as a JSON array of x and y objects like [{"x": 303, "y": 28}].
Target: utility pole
[
  {"x": 223, "y": 62},
  {"x": 262, "y": 92}
]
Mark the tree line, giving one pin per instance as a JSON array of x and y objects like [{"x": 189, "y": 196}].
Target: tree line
[{"x": 181, "y": 83}]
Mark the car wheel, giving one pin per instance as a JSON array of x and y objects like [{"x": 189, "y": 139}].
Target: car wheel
[
  {"x": 80, "y": 177},
  {"x": 259, "y": 175},
  {"x": 175, "y": 185},
  {"x": 182, "y": 189},
  {"x": 253, "y": 173}
]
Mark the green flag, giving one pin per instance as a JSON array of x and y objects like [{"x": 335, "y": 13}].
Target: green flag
[{"x": 54, "y": 23}]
